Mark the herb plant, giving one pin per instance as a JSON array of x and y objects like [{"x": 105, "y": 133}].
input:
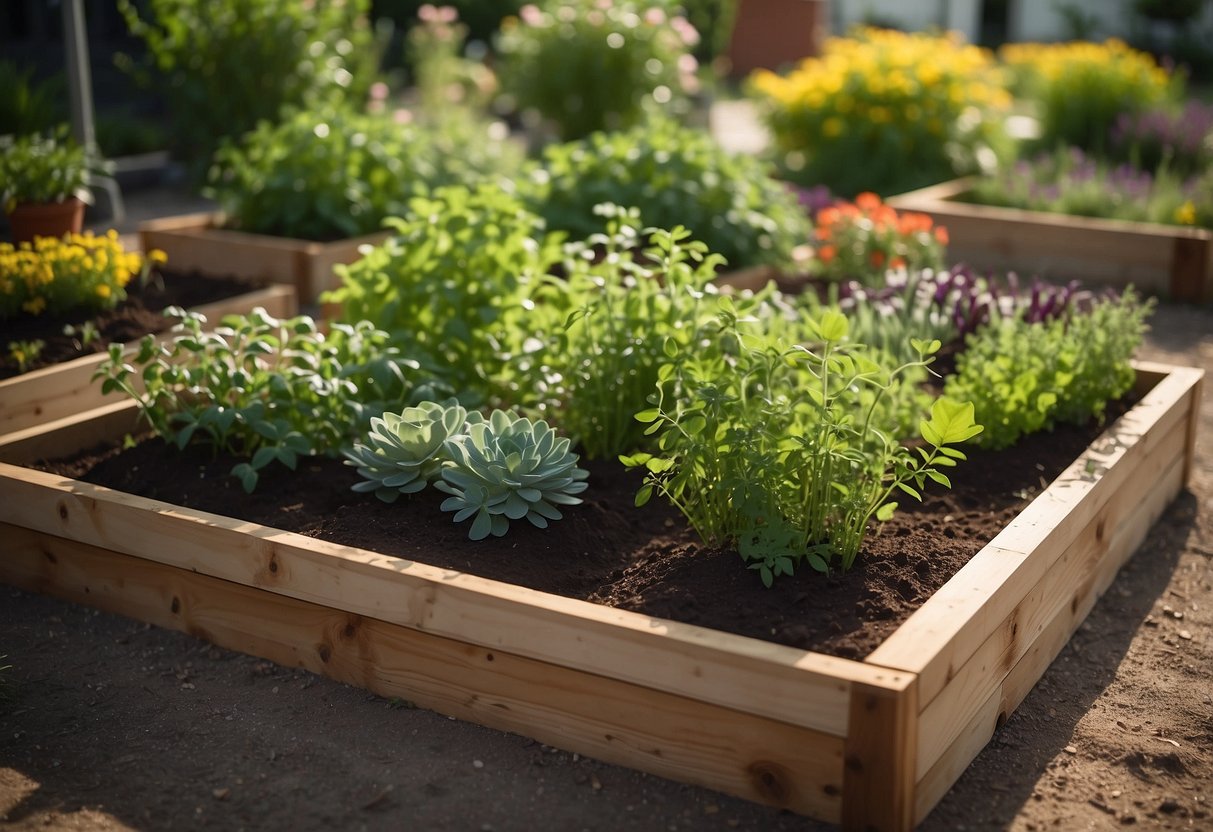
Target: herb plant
[
  {"x": 25, "y": 353},
  {"x": 265, "y": 388},
  {"x": 458, "y": 262},
  {"x": 597, "y": 335},
  {"x": 776, "y": 447},
  {"x": 674, "y": 175},
  {"x": 44, "y": 167},
  {"x": 1024, "y": 377},
  {"x": 496, "y": 469},
  {"x": 583, "y": 66}
]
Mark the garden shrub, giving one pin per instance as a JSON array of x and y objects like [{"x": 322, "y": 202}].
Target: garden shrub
[
  {"x": 583, "y": 65},
  {"x": 863, "y": 240},
  {"x": 1082, "y": 87},
  {"x": 674, "y": 175},
  {"x": 225, "y": 65},
  {"x": 885, "y": 111}
]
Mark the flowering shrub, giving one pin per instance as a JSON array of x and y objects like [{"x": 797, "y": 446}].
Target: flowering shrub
[
  {"x": 589, "y": 65},
  {"x": 1182, "y": 140},
  {"x": 864, "y": 239},
  {"x": 1083, "y": 87},
  {"x": 79, "y": 271},
  {"x": 885, "y": 111},
  {"x": 1070, "y": 182}
]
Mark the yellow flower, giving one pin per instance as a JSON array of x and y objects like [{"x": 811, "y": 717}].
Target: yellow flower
[
  {"x": 34, "y": 305},
  {"x": 1186, "y": 214}
]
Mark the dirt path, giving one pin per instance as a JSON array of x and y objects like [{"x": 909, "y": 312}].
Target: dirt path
[{"x": 109, "y": 724}]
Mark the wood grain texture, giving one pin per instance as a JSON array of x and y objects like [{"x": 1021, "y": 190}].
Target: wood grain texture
[
  {"x": 878, "y": 763},
  {"x": 688, "y": 740}
]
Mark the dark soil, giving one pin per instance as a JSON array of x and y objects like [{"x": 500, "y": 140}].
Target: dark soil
[
  {"x": 608, "y": 551},
  {"x": 141, "y": 313}
]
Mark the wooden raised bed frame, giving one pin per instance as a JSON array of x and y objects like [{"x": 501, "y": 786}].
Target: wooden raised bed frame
[
  {"x": 44, "y": 395},
  {"x": 871, "y": 744},
  {"x": 199, "y": 241},
  {"x": 1161, "y": 259}
]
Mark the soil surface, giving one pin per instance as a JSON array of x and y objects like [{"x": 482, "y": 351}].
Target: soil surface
[
  {"x": 141, "y": 313},
  {"x": 110, "y": 724}
]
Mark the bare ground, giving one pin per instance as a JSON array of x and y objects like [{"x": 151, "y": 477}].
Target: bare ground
[{"x": 109, "y": 724}]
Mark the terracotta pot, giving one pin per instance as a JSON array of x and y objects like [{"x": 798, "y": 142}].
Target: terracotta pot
[{"x": 46, "y": 219}]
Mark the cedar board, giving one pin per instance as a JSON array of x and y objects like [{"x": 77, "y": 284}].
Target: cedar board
[
  {"x": 871, "y": 744},
  {"x": 200, "y": 242},
  {"x": 60, "y": 390},
  {"x": 1166, "y": 260}
]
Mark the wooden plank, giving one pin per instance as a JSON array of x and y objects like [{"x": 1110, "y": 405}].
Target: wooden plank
[
  {"x": 756, "y": 758},
  {"x": 58, "y": 391},
  {"x": 878, "y": 762},
  {"x": 941, "y": 636},
  {"x": 70, "y": 433},
  {"x": 780, "y": 682},
  {"x": 977, "y": 729},
  {"x": 1134, "y": 507},
  {"x": 1158, "y": 258}
]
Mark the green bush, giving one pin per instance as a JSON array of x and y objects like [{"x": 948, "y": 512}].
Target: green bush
[
  {"x": 225, "y": 65},
  {"x": 47, "y": 167},
  {"x": 885, "y": 111},
  {"x": 675, "y": 176},
  {"x": 585, "y": 66}
]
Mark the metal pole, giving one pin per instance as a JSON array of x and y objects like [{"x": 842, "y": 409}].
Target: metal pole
[{"x": 79, "y": 78}]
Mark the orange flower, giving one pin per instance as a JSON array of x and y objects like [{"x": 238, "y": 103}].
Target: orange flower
[
  {"x": 941, "y": 235},
  {"x": 828, "y": 216},
  {"x": 826, "y": 253},
  {"x": 877, "y": 258},
  {"x": 898, "y": 262},
  {"x": 867, "y": 201}
]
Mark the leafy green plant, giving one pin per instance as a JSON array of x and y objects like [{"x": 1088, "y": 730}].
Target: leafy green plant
[
  {"x": 1081, "y": 87},
  {"x": 583, "y": 65},
  {"x": 265, "y": 388},
  {"x": 25, "y": 353},
  {"x": 1024, "y": 377},
  {"x": 225, "y": 65},
  {"x": 496, "y": 469},
  {"x": 886, "y": 111},
  {"x": 777, "y": 447},
  {"x": 674, "y": 175},
  {"x": 84, "y": 333},
  {"x": 598, "y": 334},
  {"x": 507, "y": 467},
  {"x": 44, "y": 167},
  {"x": 458, "y": 262},
  {"x": 29, "y": 106}
]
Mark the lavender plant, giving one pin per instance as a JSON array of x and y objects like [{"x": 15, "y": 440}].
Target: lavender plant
[{"x": 1181, "y": 140}]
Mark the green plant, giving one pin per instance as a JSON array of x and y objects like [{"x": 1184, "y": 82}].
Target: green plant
[
  {"x": 498, "y": 469},
  {"x": 85, "y": 334},
  {"x": 676, "y": 176},
  {"x": 584, "y": 66},
  {"x": 225, "y": 65},
  {"x": 44, "y": 167},
  {"x": 865, "y": 239},
  {"x": 77, "y": 272},
  {"x": 778, "y": 448},
  {"x": 25, "y": 353},
  {"x": 458, "y": 262},
  {"x": 597, "y": 335},
  {"x": 1024, "y": 377},
  {"x": 885, "y": 111},
  {"x": 27, "y": 106},
  {"x": 264, "y": 388},
  {"x": 507, "y": 467},
  {"x": 1081, "y": 87},
  {"x": 405, "y": 451}
]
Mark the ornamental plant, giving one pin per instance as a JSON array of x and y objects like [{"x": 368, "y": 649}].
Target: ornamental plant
[
  {"x": 885, "y": 111},
  {"x": 496, "y": 469},
  {"x": 774, "y": 446},
  {"x": 674, "y": 175},
  {"x": 263, "y": 388},
  {"x": 226, "y": 65},
  {"x": 44, "y": 167},
  {"x": 584, "y": 65},
  {"x": 1081, "y": 88},
  {"x": 1024, "y": 377},
  {"x": 459, "y": 261},
  {"x": 863, "y": 240},
  {"x": 1180, "y": 140},
  {"x": 1070, "y": 182},
  {"x": 78, "y": 273},
  {"x": 597, "y": 336}
]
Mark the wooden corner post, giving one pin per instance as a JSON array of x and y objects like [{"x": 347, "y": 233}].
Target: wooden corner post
[{"x": 880, "y": 754}]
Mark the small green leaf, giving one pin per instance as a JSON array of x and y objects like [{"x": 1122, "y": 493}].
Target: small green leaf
[
  {"x": 644, "y": 494},
  {"x": 885, "y": 513},
  {"x": 650, "y": 415},
  {"x": 833, "y": 325}
]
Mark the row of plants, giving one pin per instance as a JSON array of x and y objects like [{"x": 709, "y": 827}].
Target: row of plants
[{"x": 476, "y": 350}]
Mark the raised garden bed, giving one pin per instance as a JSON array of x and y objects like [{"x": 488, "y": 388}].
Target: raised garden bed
[
  {"x": 868, "y": 744},
  {"x": 1161, "y": 259},
  {"x": 199, "y": 241},
  {"x": 59, "y": 390}
]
